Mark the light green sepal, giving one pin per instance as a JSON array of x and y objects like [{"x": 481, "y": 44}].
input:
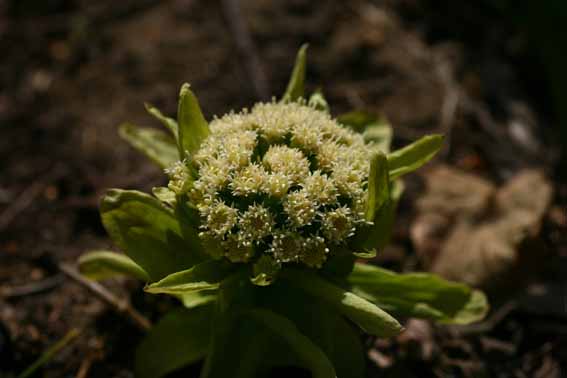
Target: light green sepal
[
  {"x": 193, "y": 128},
  {"x": 296, "y": 86}
]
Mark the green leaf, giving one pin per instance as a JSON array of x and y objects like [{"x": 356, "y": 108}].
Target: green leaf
[
  {"x": 295, "y": 87},
  {"x": 378, "y": 235},
  {"x": 475, "y": 310},
  {"x": 348, "y": 352},
  {"x": 165, "y": 195},
  {"x": 378, "y": 185},
  {"x": 369, "y": 254},
  {"x": 380, "y": 134},
  {"x": 156, "y": 145},
  {"x": 340, "y": 263},
  {"x": 369, "y": 317},
  {"x": 100, "y": 265},
  {"x": 147, "y": 231},
  {"x": 231, "y": 334},
  {"x": 240, "y": 348},
  {"x": 197, "y": 298},
  {"x": 180, "y": 338},
  {"x": 324, "y": 326},
  {"x": 310, "y": 356},
  {"x": 413, "y": 156},
  {"x": 265, "y": 271},
  {"x": 203, "y": 276},
  {"x": 375, "y": 128},
  {"x": 169, "y": 123},
  {"x": 189, "y": 220},
  {"x": 418, "y": 295},
  {"x": 254, "y": 343},
  {"x": 317, "y": 101},
  {"x": 193, "y": 128}
]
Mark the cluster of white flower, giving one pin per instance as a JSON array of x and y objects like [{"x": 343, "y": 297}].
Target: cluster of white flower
[{"x": 283, "y": 180}]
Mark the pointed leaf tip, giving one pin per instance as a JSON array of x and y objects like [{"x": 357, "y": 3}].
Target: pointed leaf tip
[
  {"x": 168, "y": 122},
  {"x": 155, "y": 144},
  {"x": 100, "y": 265},
  {"x": 296, "y": 85},
  {"x": 420, "y": 295},
  {"x": 204, "y": 276},
  {"x": 192, "y": 126},
  {"x": 413, "y": 156}
]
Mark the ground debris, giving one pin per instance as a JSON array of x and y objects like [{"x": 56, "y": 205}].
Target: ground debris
[{"x": 478, "y": 228}]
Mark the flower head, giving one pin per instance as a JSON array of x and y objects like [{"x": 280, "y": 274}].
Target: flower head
[{"x": 283, "y": 180}]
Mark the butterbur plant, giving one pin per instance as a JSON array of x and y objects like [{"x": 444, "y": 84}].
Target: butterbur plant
[{"x": 261, "y": 232}]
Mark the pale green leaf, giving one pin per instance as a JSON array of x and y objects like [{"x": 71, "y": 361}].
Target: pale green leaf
[
  {"x": 368, "y": 316},
  {"x": 310, "y": 356},
  {"x": 418, "y": 294},
  {"x": 369, "y": 254},
  {"x": 192, "y": 126},
  {"x": 374, "y": 128},
  {"x": 378, "y": 185},
  {"x": 155, "y": 144},
  {"x": 180, "y": 338},
  {"x": 204, "y": 276},
  {"x": 317, "y": 101},
  {"x": 100, "y": 265},
  {"x": 413, "y": 156},
  {"x": 296, "y": 85},
  {"x": 197, "y": 298},
  {"x": 165, "y": 195},
  {"x": 147, "y": 232},
  {"x": 475, "y": 310},
  {"x": 380, "y": 134},
  {"x": 168, "y": 122}
]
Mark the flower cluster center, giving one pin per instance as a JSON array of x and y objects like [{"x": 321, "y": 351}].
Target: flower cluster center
[{"x": 283, "y": 179}]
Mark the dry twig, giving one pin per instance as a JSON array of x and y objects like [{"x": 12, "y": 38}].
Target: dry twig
[
  {"x": 121, "y": 306},
  {"x": 32, "y": 288}
]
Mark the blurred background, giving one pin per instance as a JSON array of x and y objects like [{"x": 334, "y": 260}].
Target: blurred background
[{"x": 490, "y": 210}]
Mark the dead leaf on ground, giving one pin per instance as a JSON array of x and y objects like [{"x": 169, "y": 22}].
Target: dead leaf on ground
[
  {"x": 451, "y": 196},
  {"x": 478, "y": 228}
]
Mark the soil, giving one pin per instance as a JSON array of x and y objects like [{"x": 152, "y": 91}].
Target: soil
[{"x": 73, "y": 70}]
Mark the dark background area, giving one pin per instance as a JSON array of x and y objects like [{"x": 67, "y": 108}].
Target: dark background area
[{"x": 490, "y": 74}]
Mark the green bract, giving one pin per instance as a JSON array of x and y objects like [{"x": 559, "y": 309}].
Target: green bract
[{"x": 257, "y": 234}]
